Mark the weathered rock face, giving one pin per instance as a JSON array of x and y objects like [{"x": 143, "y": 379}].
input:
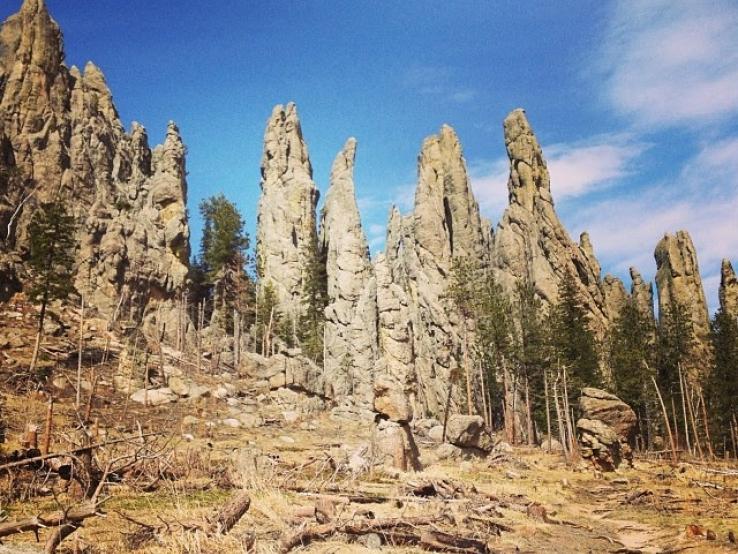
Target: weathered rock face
[
  {"x": 679, "y": 283},
  {"x": 62, "y": 140},
  {"x": 286, "y": 239},
  {"x": 350, "y": 335},
  {"x": 531, "y": 245},
  {"x": 607, "y": 428},
  {"x": 728, "y": 289},
  {"x": 419, "y": 342}
]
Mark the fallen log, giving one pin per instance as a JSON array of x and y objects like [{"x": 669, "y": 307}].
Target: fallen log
[
  {"x": 395, "y": 531},
  {"x": 219, "y": 524},
  {"x": 57, "y": 519}
]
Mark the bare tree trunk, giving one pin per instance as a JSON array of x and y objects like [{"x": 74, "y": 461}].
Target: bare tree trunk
[
  {"x": 569, "y": 424},
  {"x": 49, "y": 426},
  {"x": 529, "y": 414},
  {"x": 79, "y": 352},
  {"x": 674, "y": 457},
  {"x": 690, "y": 407},
  {"x": 676, "y": 426},
  {"x": 733, "y": 437},
  {"x": 448, "y": 409},
  {"x": 487, "y": 420},
  {"x": 236, "y": 338},
  {"x": 559, "y": 421},
  {"x": 508, "y": 413},
  {"x": 707, "y": 424},
  {"x": 548, "y": 408},
  {"x": 684, "y": 409},
  {"x": 39, "y": 333},
  {"x": 469, "y": 401}
]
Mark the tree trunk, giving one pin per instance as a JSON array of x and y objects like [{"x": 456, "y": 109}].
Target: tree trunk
[
  {"x": 684, "y": 410},
  {"x": 78, "y": 398},
  {"x": 674, "y": 457},
  {"x": 529, "y": 414},
  {"x": 548, "y": 408},
  {"x": 40, "y": 332},
  {"x": 469, "y": 401}
]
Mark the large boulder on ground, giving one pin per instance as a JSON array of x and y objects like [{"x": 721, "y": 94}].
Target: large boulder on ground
[
  {"x": 600, "y": 444},
  {"x": 467, "y": 431},
  {"x": 606, "y": 429}
]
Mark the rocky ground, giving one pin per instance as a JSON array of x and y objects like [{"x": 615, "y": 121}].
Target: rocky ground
[{"x": 313, "y": 479}]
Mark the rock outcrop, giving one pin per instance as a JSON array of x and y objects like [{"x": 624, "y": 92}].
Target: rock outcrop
[
  {"x": 61, "y": 140},
  {"x": 606, "y": 429},
  {"x": 679, "y": 283},
  {"x": 531, "y": 244},
  {"x": 350, "y": 337},
  {"x": 419, "y": 336},
  {"x": 728, "y": 289},
  {"x": 286, "y": 239}
]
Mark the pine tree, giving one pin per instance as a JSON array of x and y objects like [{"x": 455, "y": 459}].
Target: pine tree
[
  {"x": 311, "y": 321},
  {"x": 51, "y": 258},
  {"x": 573, "y": 344},
  {"x": 532, "y": 352},
  {"x": 219, "y": 274},
  {"x": 722, "y": 385},
  {"x": 630, "y": 358}
]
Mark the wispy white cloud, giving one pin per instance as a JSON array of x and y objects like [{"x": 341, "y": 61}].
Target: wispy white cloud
[
  {"x": 703, "y": 200},
  {"x": 440, "y": 82},
  {"x": 667, "y": 62},
  {"x": 576, "y": 169}
]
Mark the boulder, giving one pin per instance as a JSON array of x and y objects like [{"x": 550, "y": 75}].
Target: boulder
[
  {"x": 154, "y": 397},
  {"x": 599, "y": 444},
  {"x": 467, "y": 431},
  {"x": 606, "y": 429}
]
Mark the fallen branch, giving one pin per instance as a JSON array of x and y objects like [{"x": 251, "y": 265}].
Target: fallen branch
[{"x": 74, "y": 452}]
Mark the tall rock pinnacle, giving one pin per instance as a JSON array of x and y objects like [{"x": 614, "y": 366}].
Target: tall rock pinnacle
[
  {"x": 447, "y": 220},
  {"x": 350, "y": 328},
  {"x": 286, "y": 240},
  {"x": 531, "y": 244},
  {"x": 419, "y": 336},
  {"x": 679, "y": 283},
  {"x": 728, "y": 289},
  {"x": 642, "y": 294}
]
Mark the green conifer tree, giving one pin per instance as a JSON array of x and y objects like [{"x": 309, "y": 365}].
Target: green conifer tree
[
  {"x": 722, "y": 384},
  {"x": 573, "y": 344},
  {"x": 51, "y": 259},
  {"x": 631, "y": 359}
]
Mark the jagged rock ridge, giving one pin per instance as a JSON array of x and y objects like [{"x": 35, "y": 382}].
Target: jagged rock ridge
[
  {"x": 62, "y": 140},
  {"x": 531, "y": 244}
]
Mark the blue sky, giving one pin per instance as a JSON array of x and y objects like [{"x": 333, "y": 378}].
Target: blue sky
[{"x": 635, "y": 103}]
